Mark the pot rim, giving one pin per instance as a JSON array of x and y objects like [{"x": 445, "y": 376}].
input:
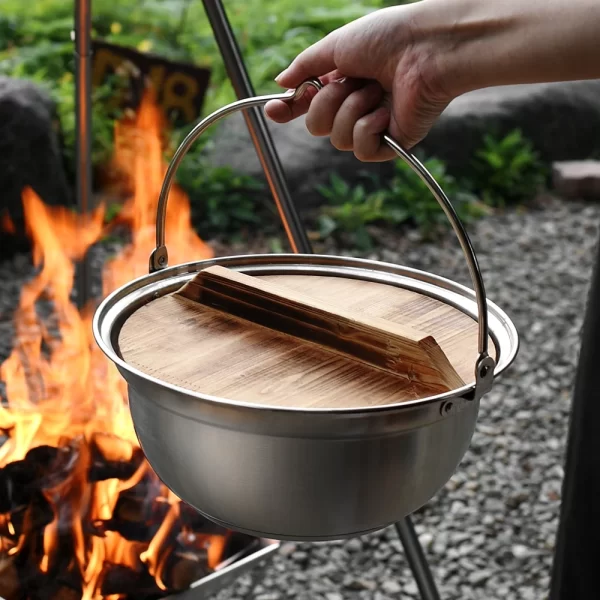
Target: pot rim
[{"x": 120, "y": 304}]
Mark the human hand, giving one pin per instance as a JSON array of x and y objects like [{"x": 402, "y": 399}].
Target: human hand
[{"x": 376, "y": 80}]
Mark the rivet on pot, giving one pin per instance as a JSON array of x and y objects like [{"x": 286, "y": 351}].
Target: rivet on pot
[{"x": 446, "y": 408}]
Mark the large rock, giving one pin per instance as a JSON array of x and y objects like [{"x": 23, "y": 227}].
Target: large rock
[
  {"x": 562, "y": 120},
  {"x": 30, "y": 152}
]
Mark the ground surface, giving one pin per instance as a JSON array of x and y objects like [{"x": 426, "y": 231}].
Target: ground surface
[{"x": 490, "y": 533}]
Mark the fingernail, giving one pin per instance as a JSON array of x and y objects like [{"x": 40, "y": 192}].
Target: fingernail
[{"x": 277, "y": 79}]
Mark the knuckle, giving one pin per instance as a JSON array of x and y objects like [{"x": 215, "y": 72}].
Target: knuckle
[
  {"x": 315, "y": 126},
  {"x": 361, "y": 101},
  {"x": 361, "y": 132},
  {"x": 341, "y": 142},
  {"x": 365, "y": 143},
  {"x": 355, "y": 103},
  {"x": 323, "y": 109},
  {"x": 318, "y": 121},
  {"x": 363, "y": 155}
]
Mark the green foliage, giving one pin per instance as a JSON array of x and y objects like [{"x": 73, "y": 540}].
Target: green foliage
[
  {"x": 223, "y": 202},
  {"x": 35, "y": 43},
  {"x": 507, "y": 170},
  {"x": 35, "y": 36},
  {"x": 102, "y": 118},
  {"x": 404, "y": 200}
]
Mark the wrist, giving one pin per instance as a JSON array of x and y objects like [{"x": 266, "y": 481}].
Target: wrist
[{"x": 457, "y": 42}]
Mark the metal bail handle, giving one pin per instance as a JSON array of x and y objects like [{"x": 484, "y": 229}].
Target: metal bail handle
[{"x": 484, "y": 368}]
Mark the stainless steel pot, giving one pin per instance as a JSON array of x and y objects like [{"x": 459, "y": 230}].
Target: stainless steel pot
[{"x": 317, "y": 474}]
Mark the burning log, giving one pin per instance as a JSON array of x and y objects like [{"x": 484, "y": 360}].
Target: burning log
[
  {"x": 113, "y": 458},
  {"x": 136, "y": 519},
  {"x": 184, "y": 568},
  {"x": 33, "y": 517},
  {"x": 9, "y": 579},
  {"x": 128, "y": 582},
  {"x": 34, "y": 584},
  {"x": 20, "y": 479},
  {"x": 48, "y": 488},
  {"x": 58, "y": 589},
  {"x": 60, "y": 593}
]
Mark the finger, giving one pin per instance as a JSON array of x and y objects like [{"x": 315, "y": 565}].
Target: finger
[
  {"x": 368, "y": 140},
  {"x": 325, "y": 105},
  {"x": 315, "y": 61},
  {"x": 281, "y": 111},
  {"x": 357, "y": 105}
]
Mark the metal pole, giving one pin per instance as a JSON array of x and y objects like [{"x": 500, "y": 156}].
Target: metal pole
[
  {"x": 416, "y": 559},
  {"x": 83, "y": 130},
  {"x": 575, "y": 567},
  {"x": 257, "y": 126},
  {"x": 267, "y": 154}
]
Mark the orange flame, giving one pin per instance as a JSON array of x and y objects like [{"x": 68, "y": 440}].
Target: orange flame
[
  {"x": 6, "y": 223},
  {"x": 63, "y": 393}
]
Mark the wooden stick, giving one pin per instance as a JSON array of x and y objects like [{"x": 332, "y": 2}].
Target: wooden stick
[{"x": 395, "y": 348}]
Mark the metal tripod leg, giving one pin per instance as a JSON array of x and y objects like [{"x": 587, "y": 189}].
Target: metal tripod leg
[
  {"x": 83, "y": 131},
  {"x": 257, "y": 126},
  {"x": 416, "y": 559},
  {"x": 297, "y": 237}
]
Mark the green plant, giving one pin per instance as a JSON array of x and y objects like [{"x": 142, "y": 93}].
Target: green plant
[
  {"x": 223, "y": 202},
  {"x": 352, "y": 209},
  {"x": 404, "y": 200},
  {"x": 35, "y": 44},
  {"x": 507, "y": 170}
]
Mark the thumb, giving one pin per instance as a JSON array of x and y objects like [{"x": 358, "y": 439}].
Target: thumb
[{"x": 317, "y": 60}]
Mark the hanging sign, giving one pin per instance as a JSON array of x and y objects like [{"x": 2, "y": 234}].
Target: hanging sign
[{"x": 180, "y": 87}]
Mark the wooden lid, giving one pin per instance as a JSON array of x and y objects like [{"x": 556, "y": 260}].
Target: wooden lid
[{"x": 375, "y": 344}]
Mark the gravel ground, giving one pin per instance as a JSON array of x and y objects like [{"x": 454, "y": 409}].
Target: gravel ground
[{"x": 490, "y": 533}]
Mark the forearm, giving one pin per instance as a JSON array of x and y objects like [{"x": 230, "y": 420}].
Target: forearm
[{"x": 499, "y": 42}]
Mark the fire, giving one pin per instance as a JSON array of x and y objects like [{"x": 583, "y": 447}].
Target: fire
[
  {"x": 67, "y": 416},
  {"x": 6, "y": 223}
]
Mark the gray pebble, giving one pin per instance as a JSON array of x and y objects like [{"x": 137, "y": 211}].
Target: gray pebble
[{"x": 391, "y": 586}]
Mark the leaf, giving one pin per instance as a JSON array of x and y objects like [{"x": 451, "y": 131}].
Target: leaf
[{"x": 327, "y": 225}]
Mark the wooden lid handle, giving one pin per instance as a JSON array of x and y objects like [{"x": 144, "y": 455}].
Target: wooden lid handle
[{"x": 397, "y": 349}]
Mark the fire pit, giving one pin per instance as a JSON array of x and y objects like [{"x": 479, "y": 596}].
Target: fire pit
[{"x": 82, "y": 514}]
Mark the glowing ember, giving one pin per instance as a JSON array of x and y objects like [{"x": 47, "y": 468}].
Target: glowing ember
[{"x": 73, "y": 477}]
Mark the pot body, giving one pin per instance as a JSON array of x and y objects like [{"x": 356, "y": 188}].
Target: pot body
[
  {"x": 291, "y": 473},
  {"x": 275, "y": 483}
]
